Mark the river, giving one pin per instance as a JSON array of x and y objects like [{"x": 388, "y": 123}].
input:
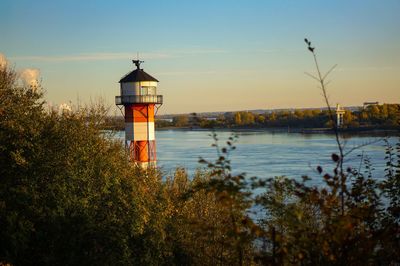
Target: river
[{"x": 267, "y": 154}]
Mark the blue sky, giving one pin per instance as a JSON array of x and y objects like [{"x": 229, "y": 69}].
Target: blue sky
[{"x": 208, "y": 55}]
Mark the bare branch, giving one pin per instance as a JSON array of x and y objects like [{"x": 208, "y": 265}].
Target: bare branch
[
  {"x": 329, "y": 71},
  {"x": 361, "y": 162},
  {"x": 335, "y": 128},
  {"x": 314, "y": 77},
  {"x": 363, "y": 145}
]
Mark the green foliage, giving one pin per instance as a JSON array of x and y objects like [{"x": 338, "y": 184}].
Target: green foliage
[
  {"x": 310, "y": 227},
  {"x": 163, "y": 123},
  {"x": 244, "y": 118},
  {"x": 206, "y": 226},
  {"x": 385, "y": 115},
  {"x": 66, "y": 191},
  {"x": 232, "y": 192},
  {"x": 376, "y": 116}
]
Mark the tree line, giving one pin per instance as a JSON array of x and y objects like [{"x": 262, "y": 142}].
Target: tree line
[
  {"x": 70, "y": 196},
  {"x": 383, "y": 116}
]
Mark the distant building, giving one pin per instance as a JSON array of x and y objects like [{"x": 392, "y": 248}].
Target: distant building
[
  {"x": 366, "y": 104},
  {"x": 339, "y": 115},
  {"x": 165, "y": 119}
]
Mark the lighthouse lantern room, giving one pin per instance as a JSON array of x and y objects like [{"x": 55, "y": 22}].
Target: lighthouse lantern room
[{"x": 139, "y": 100}]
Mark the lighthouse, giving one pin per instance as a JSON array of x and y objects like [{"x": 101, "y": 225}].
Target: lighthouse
[{"x": 140, "y": 101}]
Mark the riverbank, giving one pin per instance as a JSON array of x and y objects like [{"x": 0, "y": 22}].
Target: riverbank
[{"x": 350, "y": 131}]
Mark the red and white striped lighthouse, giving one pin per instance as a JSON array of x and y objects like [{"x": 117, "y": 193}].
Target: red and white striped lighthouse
[{"x": 139, "y": 99}]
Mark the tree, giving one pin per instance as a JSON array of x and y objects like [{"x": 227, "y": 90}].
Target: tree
[
  {"x": 260, "y": 119},
  {"x": 238, "y": 118},
  {"x": 349, "y": 119},
  {"x": 180, "y": 120},
  {"x": 299, "y": 113},
  {"x": 244, "y": 118},
  {"x": 374, "y": 113},
  {"x": 67, "y": 193},
  {"x": 248, "y": 118},
  {"x": 272, "y": 116}
]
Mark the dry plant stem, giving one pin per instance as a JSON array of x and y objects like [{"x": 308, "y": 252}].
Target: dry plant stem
[
  {"x": 361, "y": 162},
  {"x": 321, "y": 80},
  {"x": 362, "y": 145}
]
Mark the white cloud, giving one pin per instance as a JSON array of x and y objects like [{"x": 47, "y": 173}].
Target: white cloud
[
  {"x": 199, "y": 51},
  {"x": 117, "y": 56},
  {"x": 367, "y": 68},
  {"x": 30, "y": 76},
  {"x": 91, "y": 57},
  {"x": 3, "y": 61},
  {"x": 64, "y": 108},
  {"x": 185, "y": 73}
]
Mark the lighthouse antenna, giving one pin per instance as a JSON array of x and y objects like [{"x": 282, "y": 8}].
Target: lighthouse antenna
[{"x": 137, "y": 63}]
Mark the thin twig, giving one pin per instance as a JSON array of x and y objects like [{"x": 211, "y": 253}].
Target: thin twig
[
  {"x": 329, "y": 71},
  {"x": 308, "y": 74},
  {"x": 361, "y": 162},
  {"x": 363, "y": 145}
]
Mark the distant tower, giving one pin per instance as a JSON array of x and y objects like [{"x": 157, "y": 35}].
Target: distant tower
[
  {"x": 339, "y": 115},
  {"x": 139, "y": 99}
]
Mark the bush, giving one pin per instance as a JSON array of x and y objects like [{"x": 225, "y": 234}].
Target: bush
[{"x": 67, "y": 193}]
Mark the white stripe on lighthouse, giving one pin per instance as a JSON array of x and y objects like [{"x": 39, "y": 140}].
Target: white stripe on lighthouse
[{"x": 138, "y": 131}]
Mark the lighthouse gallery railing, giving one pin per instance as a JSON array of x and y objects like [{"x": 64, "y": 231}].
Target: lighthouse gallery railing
[{"x": 128, "y": 99}]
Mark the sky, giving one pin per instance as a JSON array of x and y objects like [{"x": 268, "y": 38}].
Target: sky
[{"x": 209, "y": 55}]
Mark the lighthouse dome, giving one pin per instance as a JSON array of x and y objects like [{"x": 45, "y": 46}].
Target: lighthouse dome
[
  {"x": 137, "y": 75},
  {"x": 138, "y": 82},
  {"x": 138, "y": 87}
]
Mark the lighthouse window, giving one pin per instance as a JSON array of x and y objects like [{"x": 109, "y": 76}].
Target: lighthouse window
[
  {"x": 148, "y": 90},
  {"x": 151, "y": 90}
]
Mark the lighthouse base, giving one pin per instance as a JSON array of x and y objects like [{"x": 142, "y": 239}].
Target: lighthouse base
[
  {"x": 146, "y": 165},
  {"x": 142, "y": 153}
]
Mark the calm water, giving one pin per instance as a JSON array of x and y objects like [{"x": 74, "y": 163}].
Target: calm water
[{"x": 265, "y": 154}]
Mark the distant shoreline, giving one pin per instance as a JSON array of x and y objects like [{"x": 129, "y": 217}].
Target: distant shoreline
[{"x": 350, "y": 131}]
